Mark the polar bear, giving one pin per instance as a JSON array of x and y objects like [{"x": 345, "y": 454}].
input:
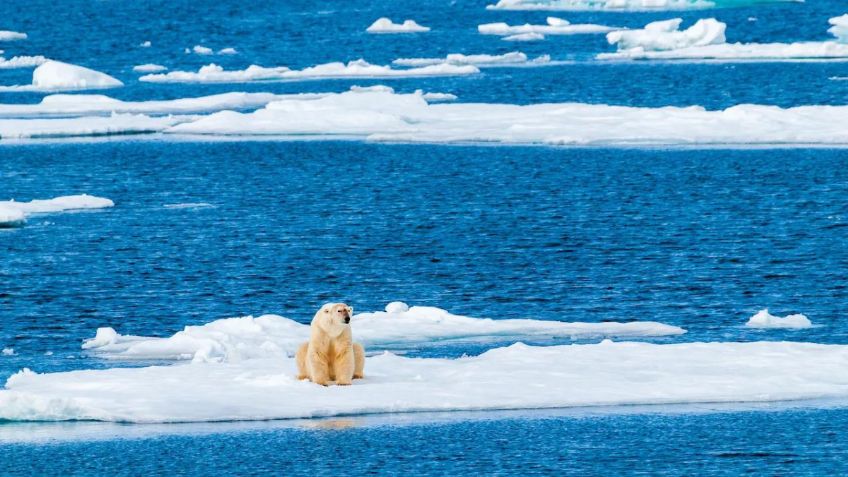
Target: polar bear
[{"x": 330, "y": 354}]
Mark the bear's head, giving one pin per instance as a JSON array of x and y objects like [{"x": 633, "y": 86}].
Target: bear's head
[{"x": 333, "y": 318}]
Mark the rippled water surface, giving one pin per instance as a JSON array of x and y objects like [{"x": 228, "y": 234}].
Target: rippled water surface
[{"x": 699, "y": 238}]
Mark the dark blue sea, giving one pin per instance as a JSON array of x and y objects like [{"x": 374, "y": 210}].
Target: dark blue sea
[{"x": 700, "y": 238}]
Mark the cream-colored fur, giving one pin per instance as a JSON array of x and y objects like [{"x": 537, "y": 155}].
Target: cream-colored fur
[{"x": 330, "y": 354}]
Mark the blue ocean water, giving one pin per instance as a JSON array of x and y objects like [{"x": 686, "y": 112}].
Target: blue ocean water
[{"x": 699, "y": 238}]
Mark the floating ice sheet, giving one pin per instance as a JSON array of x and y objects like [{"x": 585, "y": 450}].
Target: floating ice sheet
[
  {"x": 514, "y": 377},
  {"x": 554, "y": 26},
  {"x": 58, "y": 76},
  {"x": 213, "y": 73},
  {"x": 14, "y": 213},
  {"x": 764, "y": 319},
  {"x": 623, "y": 5},
  {"x": 386, "y": 25},
  {"x": 238, "y": 339}
]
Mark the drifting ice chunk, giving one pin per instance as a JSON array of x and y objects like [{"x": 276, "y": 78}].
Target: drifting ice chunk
[
  {"x": 57, "y": 76},
  {"x": 355, "y": 69},
  {"x": 624, "y": 5},
  {"x": 6, "y": 35},
  {"x": 227, "y": 51},
  {"x": 705, "y": 40},
  {"x": 201, "y": 50},
  {"x": 14, "y": 213},
  {"x": 149, "y": 68},
  {"x": 237, "y": 339},
  {"x": 763, "y": 319},
  {"x": 839, "y": 28},
  {"x": 514, "y": 58},
  {"x": 385, "y": 25},
  {"x": 145, "y": 44},
  {"x": 8, "y": 352},
  {"x": 555, "y": 26},
  {"x": 85, "y": 126},
  {"x": 665, "y": 35},
  {"x": 21, "y": 62},
  {"x": 524, "y": 37},
  {"x": 514, "y": 377}
]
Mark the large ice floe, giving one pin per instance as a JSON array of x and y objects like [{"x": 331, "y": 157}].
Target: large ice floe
[
  {"x": 379, "y": 114},
  {"x": 764, "y": 319},
  {"x": 213, "y": 73},
  {"x": 511, "y": 59},
  {"x": 386, "y": 25},
  {"x": 269, "y": 336},
  {"x": 705, "y": 40},
  {"x": 513, "y": 377},
  {"x": 58, "y": 76},
  {"x": 553, "y": 26},
  {"x": 623, "y": 5},
  {"x": 14, "y": 213}
]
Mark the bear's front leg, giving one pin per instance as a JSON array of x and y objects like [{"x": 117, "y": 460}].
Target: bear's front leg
[
  {"x": 318, "y": 368},
  {"x": 343, "y": 367},
  {"x": 359, "y": 361},
  {"x": 300, "y": 358}
]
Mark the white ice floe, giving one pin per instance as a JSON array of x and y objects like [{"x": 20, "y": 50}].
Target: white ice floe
[
  {"x": 554, "y": 26},
  {"x": 238, "y": 339},
  {"x": 213, "y": 73},
  {"x": 8, "y": 351},
  {"x": 6, "y": 35},
  {"x": 666, "y": 35},
  {"x": 96, "y": 104},
  {"x": 515, "y": 58},
  {"x": 200, "y": 50},
  {"x": 622, "y": 5},
  {"x": 524, "y": 37},
  {"x": 21, "y": 62},
  {"x": 434, "y": 97},
  {"x": 149, "y": 68},
  {"x": 385, "y": 25},
  {"x": 763, "y": 319},
  {"x": 145, "y": 44},
  {"x": 705, "y": 40},
  {"x": 839, "y": 28},
  {"x": 15, "y": 213},
  {"x": 392, "y": 117},
  {"x": 85, "y": 126},
  {"x": 227, "y": 51},
  {"x": 514, "y": 377},
  {"x": 58, "y": 76}
]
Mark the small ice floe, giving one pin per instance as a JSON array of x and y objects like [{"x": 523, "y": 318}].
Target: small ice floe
[
  {"x": 58, "y": 76},
  {"x": 213, "y": 73},
  {"x": 515, "y": 58},
  {"x": 203, "y": 50},
  {"x": 436, "y": 97},
  {"x": 14, "y": 213},
  {"x": 554, "y": 26},
  {"x": 200, "y": 50},
  {"x": 189, "y": 205},
  {"x": 705, "y": 40},
  {"x": 237, "y": 339},
  {"x": 149, "y": 68},
  {"x": 385, "y": 25},
  {"x": 145, "y": 44},
  {"x": 622, "y": 5},
  {"x": 8, "y": 352},
  {"x": 763, "y": 319},
  {"x": 6, "y": 35},
  {"x": 21, "y": 62},
  {"x": 532, "y": 36}
]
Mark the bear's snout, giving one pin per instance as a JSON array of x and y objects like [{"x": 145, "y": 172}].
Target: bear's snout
[{"x": 347, "y": 319}]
